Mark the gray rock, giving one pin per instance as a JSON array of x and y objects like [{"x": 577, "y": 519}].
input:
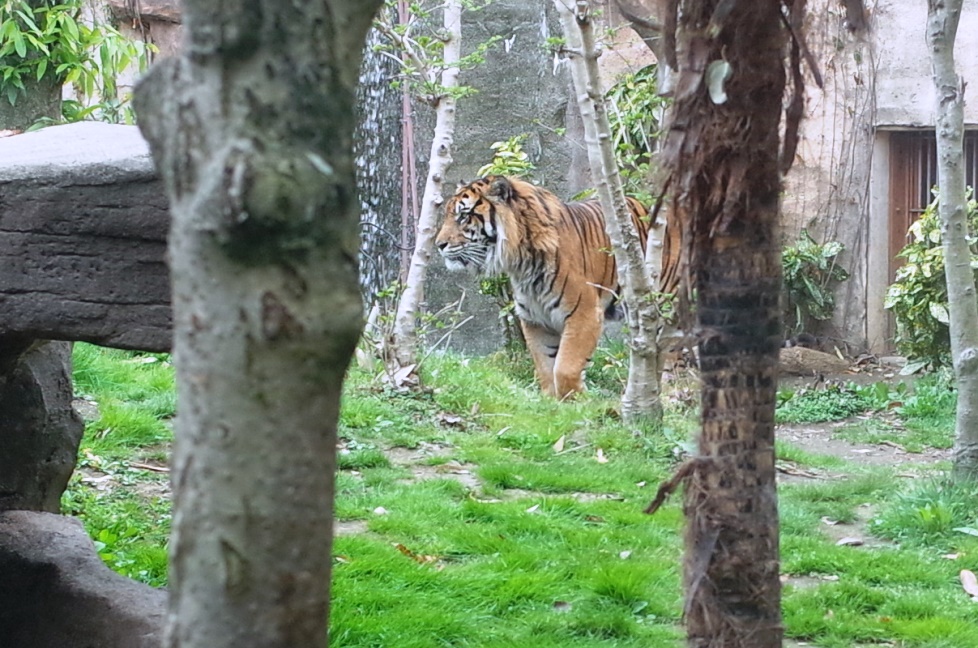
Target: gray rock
[
  {"x": 39, "y": 429},
  {"x": 83, "y": 225},
  {"x": 57, "y": 593}
]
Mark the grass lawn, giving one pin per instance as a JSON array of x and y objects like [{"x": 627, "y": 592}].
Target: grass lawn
[{"x": 481, "y": 514}]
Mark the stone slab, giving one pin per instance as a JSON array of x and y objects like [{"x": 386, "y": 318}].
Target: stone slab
[{"x": 83, "y": 225}]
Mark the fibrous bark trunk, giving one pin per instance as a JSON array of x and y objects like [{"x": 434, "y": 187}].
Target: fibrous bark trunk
[
  {"x": 942, "y": 26},
  {"x": 723, "y": 150},
  {"x": 405, "y": 333},
  {"x": 251, "y": 129},
  {"x": 641, "y": 399}
]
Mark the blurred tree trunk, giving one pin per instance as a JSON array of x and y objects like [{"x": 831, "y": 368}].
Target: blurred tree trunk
[
  {"x": 942, "y": 26},
  {"x": 723, "y": 151},
  {"x": 251, "y": 129},
  {"x": 641, "y": 399}
]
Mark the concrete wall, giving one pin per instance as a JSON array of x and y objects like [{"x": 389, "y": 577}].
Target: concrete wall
[{"x": 838, "y": 188}]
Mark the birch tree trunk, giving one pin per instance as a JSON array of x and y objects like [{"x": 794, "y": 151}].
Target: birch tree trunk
[
  {"x": 405, "y": 333},
  {"x": 641, "y": 399},
  {"x": 723, "y": 150},
  {"x": 942, "y": 26},
  {"x": 251, "y": 129}
]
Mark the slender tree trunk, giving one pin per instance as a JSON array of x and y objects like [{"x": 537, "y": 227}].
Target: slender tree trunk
[
  {"x": 942, "y": 26},
  {"x": 405, "y": 334},
  {"x": 641, "y": 399},
  {"x": 726, "y": 181},
  {"x": 252, "y": 131}
]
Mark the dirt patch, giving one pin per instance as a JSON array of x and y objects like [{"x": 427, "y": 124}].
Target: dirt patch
[{"x": 818, "y": 438}]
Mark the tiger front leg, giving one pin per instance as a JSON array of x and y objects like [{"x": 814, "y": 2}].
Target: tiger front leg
[
  {"x": 577, "y": 344},
  {"x": 543, "y": 345}
]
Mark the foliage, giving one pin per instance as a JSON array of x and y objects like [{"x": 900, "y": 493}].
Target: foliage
[
  {"x": 936, "y": 512},
  {"x": 634, "y": 108},
  {"x": 418, "y": 48},
  {"x": 811, "y": 271},
  {"x": 509, "y": 159},
  {"x": 918, "y": 296},
  {"x": 51, "y": 41},
  {"x": 832, "y": 402}
]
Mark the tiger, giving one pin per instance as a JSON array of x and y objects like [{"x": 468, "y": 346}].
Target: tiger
[{"x": 559, "y": 261}]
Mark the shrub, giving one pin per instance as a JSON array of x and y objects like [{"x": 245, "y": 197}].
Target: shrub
[
  {"x": 918, "y": 296},
  {"x": 811, "y": 271}
]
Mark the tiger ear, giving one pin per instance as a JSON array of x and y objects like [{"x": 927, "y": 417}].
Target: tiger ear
[{"x": 501, "y": 188}]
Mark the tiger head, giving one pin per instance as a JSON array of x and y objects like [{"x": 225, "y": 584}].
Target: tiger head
[{"x": 470, "y": 236}]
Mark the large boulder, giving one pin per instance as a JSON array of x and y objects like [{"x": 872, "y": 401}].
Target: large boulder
[{"x": 57, "y": 593}]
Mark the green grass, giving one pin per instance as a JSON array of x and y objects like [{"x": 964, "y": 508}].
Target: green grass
[{"x": 551, "y": 549}]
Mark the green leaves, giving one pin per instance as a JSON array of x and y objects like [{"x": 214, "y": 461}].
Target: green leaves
[
  {"x": 509, "y": 159},
  {"x": 918, "y": 295},
  {"x": 48, "y": 41},
  {"x": 811, "y": 271}
]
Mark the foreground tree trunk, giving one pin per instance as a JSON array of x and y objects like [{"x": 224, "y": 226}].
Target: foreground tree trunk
[
  {"x": 723, "y": 150},
  {"x": 405, "y": 334},
  {"x": 641, "y": 399},
  {"x": 942, "y": 26},
  {"x": 252, "y": 131}
]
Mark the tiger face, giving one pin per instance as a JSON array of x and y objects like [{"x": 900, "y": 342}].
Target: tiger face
[{"x": 469, "y": 236}]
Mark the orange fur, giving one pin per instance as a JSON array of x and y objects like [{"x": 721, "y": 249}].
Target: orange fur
[{"x": 559, "y": 262}]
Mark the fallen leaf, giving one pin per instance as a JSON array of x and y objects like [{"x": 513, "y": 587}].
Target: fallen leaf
[
  {"x": 953, "y": 556},
  {"x": 533, "y": 509},
  {"x": 969, "y": 582},
  {"x": 641, "y": 484},
  {"x": 850, "y": 542},
  {"x": 595, "y": 519},
  {"x": 342, "y": 559},
  {"x": 418, "y": 558},
  {"x": 559, "y": 445},
  {"x": 562, "y": 606},
  {"x": 474, "y": 410},
  {"x": 624, "y": 555},
  {"x": 380, "y": 510},
  {"x": 599, "y": 456},
  {"x": 829, "y": 521}
]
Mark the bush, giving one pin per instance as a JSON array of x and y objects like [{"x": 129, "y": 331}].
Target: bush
[
  {"x": 811, "y": 271},
  {"x": 918, "y": 296}
]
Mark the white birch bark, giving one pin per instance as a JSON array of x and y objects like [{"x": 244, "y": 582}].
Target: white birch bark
[
  {"x": 251, "y": 129},
  {"x": 405, "y": 332},
  {"x": 642, "y": 391},
  {"x": 942, "y": 25}
]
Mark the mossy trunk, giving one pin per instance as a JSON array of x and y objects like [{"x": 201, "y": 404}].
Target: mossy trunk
[{"x": 252, "y": 131}]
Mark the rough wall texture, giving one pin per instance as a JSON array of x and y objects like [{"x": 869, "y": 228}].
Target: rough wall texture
[
  {"x": 519, "y": 91},
  {"x": 83, "y": 224},
  {"x": 874, "y": 82}
]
